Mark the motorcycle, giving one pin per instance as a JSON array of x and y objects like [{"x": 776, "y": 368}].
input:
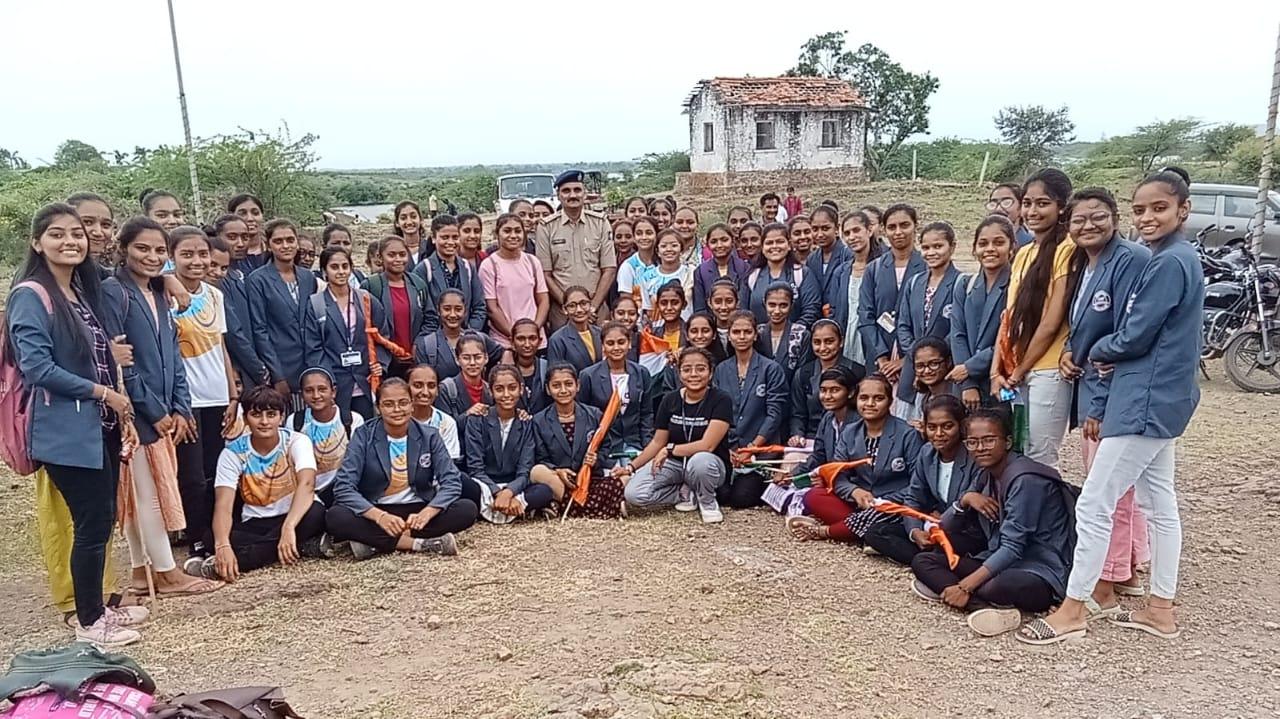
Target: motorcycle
[{"x": 1241, "y": 324}]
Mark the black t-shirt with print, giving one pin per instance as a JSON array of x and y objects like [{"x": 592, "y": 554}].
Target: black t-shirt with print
[{"x": 687, "y": 421}]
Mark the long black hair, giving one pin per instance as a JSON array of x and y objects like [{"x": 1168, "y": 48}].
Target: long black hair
[
  {"x": 85, "y": 280},
  {"x": 1034, "y": 289}
]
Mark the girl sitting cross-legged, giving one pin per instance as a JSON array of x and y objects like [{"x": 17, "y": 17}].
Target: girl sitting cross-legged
[{"x": 498, "y": 448}]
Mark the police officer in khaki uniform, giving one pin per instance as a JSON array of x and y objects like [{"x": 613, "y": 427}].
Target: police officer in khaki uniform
[{"x": 575, "y": 247}]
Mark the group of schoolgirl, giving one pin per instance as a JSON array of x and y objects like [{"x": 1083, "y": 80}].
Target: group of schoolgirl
[{"x": 274, "y": 412}]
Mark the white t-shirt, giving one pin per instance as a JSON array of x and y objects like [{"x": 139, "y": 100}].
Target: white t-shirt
[
  {"x": 944, "y": 479},
  {"x": 632, "y": 273},
  {"x": 399, "y": 491},
  {"x": 266, "y": 482},
  {"x": 447, "y": 426},
  {"x": 620, "y": 383},
  {"x": 329, "y": 442},
  {"x": 656, "y": 278},
  {"x": 200, "y": 329}
]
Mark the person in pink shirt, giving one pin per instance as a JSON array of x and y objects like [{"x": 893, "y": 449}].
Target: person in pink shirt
[
  {"x": 792, "y": 203},
  {"x": 513, "y": 282}
]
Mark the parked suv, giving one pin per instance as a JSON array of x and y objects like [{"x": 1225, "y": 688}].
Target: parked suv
[{"x": 1230, "y": 207}]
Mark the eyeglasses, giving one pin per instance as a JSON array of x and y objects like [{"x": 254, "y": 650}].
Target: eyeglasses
[
  {"x": 1003, "y": 203},
  {"x": 988, "y": 442},
  {"x": 580, "y": 304},
  {"x": 1097, "y": 219},
  {"x": 931, "y": 365}
]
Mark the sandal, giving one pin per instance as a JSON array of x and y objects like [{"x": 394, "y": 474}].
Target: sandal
[
  {"x": 1097, "y": 611},
  {"x": 1126, "y": 620},
  {"x": 923, "y": 591},
  {"x": 992, "y": 622},
  {"x": 1129, "y": 590},
  {"x": 1038, "y": 632},
  {"x": 803, "y": 528}
]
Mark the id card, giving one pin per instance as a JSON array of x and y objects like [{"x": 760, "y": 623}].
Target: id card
[
  {"x": 887, "y": 322},
  {"x": 350, "y": 358}
]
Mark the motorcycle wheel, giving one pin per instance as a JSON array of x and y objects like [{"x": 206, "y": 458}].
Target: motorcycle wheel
[{"x": 1244, "y": 365}]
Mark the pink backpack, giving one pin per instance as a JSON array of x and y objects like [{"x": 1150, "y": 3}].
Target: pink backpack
[
  {"x": 100, "y": 701},
  {"x": 16, "y": 398}
]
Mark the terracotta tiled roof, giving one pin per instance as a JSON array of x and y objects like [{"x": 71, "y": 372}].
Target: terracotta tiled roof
[{"x": 815, "y": 92}]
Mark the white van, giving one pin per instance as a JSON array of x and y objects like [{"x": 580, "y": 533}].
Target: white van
[{"x": 526, "y": 186}]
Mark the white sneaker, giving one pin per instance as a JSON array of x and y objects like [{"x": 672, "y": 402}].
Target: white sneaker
[
  {"x": 686, "y": 505},
  {"x": 106, "y": 633},
  {"x": 130, "y": 616},
  {"x": 709, "y": 508}
]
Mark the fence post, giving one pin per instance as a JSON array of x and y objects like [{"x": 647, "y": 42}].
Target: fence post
[
  {"x": 914, "y": 152},
  {"x": 1268, "y": 151},
  {"x": 982, "y": 176}
]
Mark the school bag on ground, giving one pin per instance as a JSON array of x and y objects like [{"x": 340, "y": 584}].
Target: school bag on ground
[
  {"x": 237, "y": 703},
  {"x": 16, "y": 398}
]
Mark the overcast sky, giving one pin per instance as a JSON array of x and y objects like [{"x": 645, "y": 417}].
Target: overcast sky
[{"x": 399, "y": 83}]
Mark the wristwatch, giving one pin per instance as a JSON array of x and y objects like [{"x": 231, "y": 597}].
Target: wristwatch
[{"x": 671, "y": 449}]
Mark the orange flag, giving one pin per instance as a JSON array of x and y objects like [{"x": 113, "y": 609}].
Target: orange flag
[
  {"x": 771, "y": 449},
  {"x": 375, "y": 338},
  {"x": 584, "y": 474},
  {"x": 936, "y": 535},
  {"x": 826, "y": 474}
]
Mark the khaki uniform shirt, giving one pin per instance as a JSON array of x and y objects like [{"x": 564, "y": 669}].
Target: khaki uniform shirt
[{"x": 575, "y": 252}]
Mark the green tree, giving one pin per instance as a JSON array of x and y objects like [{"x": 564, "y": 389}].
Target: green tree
[
  {"x": 1032, "y": 133},
  {"x": 1149, "y": 143},
  {"x": 74, "y": 152},
  {"x": 1218, "y": 142},
  {"x": 10, "y": 160},
  {"x": 898, "y": 99},
  {"x": 1246, "y": 159},
  {"x": 359, "y": 192}
]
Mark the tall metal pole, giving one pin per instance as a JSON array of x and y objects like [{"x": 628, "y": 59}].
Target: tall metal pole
[
  {"x": 186, "y": 121},
  {"x": 1268, "y": 152}
]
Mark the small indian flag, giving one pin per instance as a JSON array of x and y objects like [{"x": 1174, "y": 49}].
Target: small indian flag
[{"x": 653, "y": 352}]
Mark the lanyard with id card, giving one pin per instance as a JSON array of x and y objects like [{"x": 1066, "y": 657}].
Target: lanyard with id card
[{"x": 351, "y": 357}]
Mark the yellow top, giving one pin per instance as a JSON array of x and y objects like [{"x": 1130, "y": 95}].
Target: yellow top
[
  {"x": 1061, "y": 267},
  {"x": 673, "y": 339},
  {"x": 586, "y": 340}
]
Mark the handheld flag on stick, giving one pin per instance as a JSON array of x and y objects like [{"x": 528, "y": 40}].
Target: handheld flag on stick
[
  {"x": 936, "y": 535},
  {"x": 653, "y": 352},
  {"x": 772, "y": 449},
  {"x": 825, "y": 475},
  {"x": 584, "y": 473},
  {"x": 375, "y": 339}
]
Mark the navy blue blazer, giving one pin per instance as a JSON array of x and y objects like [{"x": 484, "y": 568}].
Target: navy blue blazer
[
  {"x": 565, "y": 345},
  {"x": 277, "y": 321},
  {"x": 418, "y": 302},
  {"x": 239, "y": 338},
  {"x": 490, "y": 460},
  {"x": 975, "y": 322},
  {"x": 913, "y": 325},
  {"x": 807, "y": 306},
  {"x": 759, "y": 404},
  {"x": 794, "y": 349},
  {"x": 157, "y": 380},
  {"x": 433, "y": 348},
  {"x": 1115, "y": 273},
  {"x": 708, "y": 272},
  {"x": 327, "y": 338},
  {"x": 840, "y": 255},
  {"x": 806, "y": 410},
  {"x": 634, "y": 428},
  {"x": 431, "y": 272},
  {"x": 825, "y": 439},
  {"x": 923, "y": 492},
  {"x": 553, "y": 449},
  {"x": 878, "y": 295},
  {"x": 1156, "y": 349},
  {"x": 365, "y": 472},
  {"x": 65, "y": 427},
  {"x": 1036, "y": 529},
  {"x": 889, "y": 475}
]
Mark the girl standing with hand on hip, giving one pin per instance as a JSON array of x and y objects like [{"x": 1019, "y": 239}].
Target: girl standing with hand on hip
[{"x": 1152, "y": 358}]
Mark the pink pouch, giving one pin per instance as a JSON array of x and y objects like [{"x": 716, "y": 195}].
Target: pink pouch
[{"x": 102, "y": 701}]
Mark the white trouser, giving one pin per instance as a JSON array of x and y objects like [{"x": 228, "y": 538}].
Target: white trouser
[
  {"x": 1131, "y": 460},
  {"x": 147, "y": 528},
  {"x": 1048, "y": 411}
]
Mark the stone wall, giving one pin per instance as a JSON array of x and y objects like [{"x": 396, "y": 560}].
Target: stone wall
[{"x": 696, "y": 183}]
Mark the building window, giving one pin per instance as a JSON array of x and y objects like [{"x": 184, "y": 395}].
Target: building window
[
  {"x": 708, "y": 137},
  {"x": 830, "y": 133},
  {"x": 764, "y": 135}
]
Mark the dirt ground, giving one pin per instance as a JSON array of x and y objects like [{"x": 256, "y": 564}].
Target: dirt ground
[{"x": 659, "y": 616}]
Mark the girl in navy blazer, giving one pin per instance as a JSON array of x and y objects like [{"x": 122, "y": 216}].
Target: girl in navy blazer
[
  {"x": 633, "y": 428},
  {"x": 498, "y": 454},
  {"x": 466, "y": 395},
  {"x": 278, "y": 297},
  {"x": 835, "y": 390},
  {"x": 880, "y": 294},
  {"x": 1108, "y": 267},
  {"x": 397, "y": 488},
  {"x": 231, "y": 235},
  {"x": 437, "y": 348},
  {"x": 975, "y": 311},
  {"x": 563, "y": 433},
  {"x": 1153, "y": 357},
  {"x": 135, "y": 306},
  {"x": 723, "y": 263},
  {"x": 780, "y": 339},
  {"x": 758, "y": 387},
  {"x": 525, "y": 338},
  {"x": 403, "y": 295},
  {"x": 444, "y": 270},
  {"x": 1023, "y": 510},
  {"x": 777, "y": 263},
  {"x": 843, "y": 513},
  {"x": 924, "y": 305},
  {"x": 942, "y": 473},
  {"x": 578, "y": 342},
  {"x": 829, "y": 253},
  {"x": 807, "y": 410},
  {"x": 66, "y": 361},
  {"x": 844, "y": 285},
  {"x": 334, "y": 333}
]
